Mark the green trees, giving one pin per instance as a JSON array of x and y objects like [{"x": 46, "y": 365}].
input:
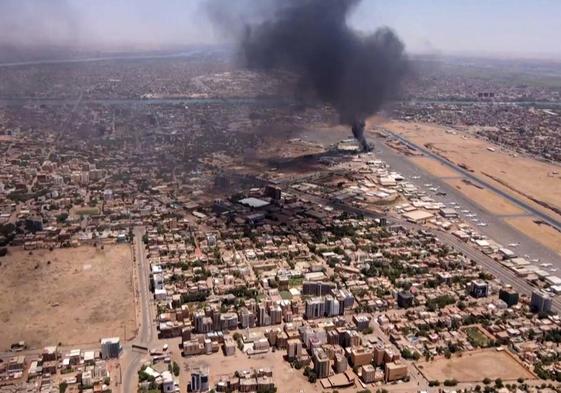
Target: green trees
[
  {"x": 311, "y": 374},
  {"x": 144, "y": 376},
  {"x": 312, "y": 377},
  {"x": 406, "y": 353},
  {"x": 450, "y": 382},
  {"x": 553, "y": 335},
  {"x": 440, "y": 302},
  {"x": 499, "y": 383},
  {"x": 174, "y": 368}
]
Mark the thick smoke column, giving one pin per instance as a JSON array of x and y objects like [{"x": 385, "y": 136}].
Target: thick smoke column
[
  {"x": 354, "y": 73},
  {"x": 358, "y": 133}
]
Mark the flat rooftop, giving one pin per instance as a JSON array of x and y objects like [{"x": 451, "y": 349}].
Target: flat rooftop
[{"x": 254, "y": 202}]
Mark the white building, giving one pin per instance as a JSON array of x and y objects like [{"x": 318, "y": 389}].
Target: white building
[{"x": 168, "y": 384}]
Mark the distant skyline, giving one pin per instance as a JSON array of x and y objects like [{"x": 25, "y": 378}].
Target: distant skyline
[{"x": 525, "y": 28}]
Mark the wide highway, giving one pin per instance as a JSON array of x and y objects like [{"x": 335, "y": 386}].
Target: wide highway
[{"x": 132, "y": 358}]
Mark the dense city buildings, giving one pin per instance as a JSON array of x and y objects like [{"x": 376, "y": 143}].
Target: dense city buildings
[{"x": 175, "y": 226}]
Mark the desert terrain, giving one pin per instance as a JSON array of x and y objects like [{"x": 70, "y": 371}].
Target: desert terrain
[
  {"x": 285, "y": 377},
  {"x": 69, "y": 296},
  {"x": 476, "y": 366},
  {"x": 536, "y": 183},
  {"x": 525, "y": 177}
]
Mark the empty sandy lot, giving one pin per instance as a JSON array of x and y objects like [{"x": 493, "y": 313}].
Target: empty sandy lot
[
  {"x": 285, "y": 377},
  {"x": 82, "y": 295},
  {"x": 518, "y": 175},
  {"x": 476, "y": 366}
]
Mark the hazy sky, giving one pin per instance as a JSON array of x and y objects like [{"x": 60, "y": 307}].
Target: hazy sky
[
  {"x": 516, "y": 27},
  {"x": 526, "y": 27}
]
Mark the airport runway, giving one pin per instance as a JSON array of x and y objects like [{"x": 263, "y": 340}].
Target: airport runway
[
  {"x": 467, "y": 174},
  {"x": 497, "y": 229}
]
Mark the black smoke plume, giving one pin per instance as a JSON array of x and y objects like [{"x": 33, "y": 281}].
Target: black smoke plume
[
  {"x": 354, "y": 73},
  {"x": 358, "y": 132}
]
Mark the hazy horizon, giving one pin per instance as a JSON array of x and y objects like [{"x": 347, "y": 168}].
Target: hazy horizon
[{"x": 513, "y": 28}]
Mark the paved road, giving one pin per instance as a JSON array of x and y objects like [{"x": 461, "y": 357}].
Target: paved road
[
  {"x": 146, "y": 332},
  {"x": 132, "y": 359}
]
